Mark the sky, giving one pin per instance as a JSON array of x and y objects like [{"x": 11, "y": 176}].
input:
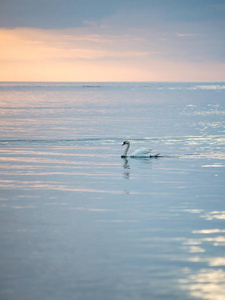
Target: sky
[{"x": 112, "y": 40}]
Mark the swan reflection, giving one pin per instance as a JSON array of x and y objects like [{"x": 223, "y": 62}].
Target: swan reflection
[
  {"x": 142, "y": 163},
  {"x": 126, "y": 166}
]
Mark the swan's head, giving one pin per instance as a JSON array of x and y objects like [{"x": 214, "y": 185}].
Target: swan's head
[{"x": 126, "y": 143}]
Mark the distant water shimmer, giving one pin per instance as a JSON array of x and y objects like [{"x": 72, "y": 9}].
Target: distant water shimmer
[{"x": 79, "y": 222}]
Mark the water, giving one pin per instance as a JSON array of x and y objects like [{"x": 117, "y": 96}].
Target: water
[{"x": 78, "y": 222}]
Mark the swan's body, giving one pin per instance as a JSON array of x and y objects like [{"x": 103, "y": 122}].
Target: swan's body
[{"x": 142, "y": 152}]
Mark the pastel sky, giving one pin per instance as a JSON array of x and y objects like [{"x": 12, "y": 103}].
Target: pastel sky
[{"x": 112, "y": 40}]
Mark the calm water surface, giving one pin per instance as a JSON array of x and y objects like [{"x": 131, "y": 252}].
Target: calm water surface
[{"x": 78, "y": 222}]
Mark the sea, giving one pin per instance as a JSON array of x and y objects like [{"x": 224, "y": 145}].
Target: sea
[{"x": 78, "y": 222}]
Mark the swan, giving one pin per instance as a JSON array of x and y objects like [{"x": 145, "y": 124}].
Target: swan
[{"x": 142, "y": 152}]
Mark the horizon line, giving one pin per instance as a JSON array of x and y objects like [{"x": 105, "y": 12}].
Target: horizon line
[{"x": 121, "y": 81}]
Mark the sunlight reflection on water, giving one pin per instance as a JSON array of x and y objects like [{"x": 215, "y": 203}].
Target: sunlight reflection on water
[
  {"x": 81, "y": 222},
  {"x": 209, "y": 281}
]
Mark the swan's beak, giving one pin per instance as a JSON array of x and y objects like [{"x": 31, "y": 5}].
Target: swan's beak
[{"x": 123, "y": 144}]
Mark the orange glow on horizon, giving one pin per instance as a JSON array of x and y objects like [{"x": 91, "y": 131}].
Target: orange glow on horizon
[{"x": 67, "y": 55}]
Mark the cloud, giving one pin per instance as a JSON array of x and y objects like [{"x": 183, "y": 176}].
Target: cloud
[
  {"x": 35, "y": 44},
  {"x": 67, "y": 55},
  {"x": 51, "y": 14},
  {"x": 187, "y": 35},
  {"x": 69, "y": 13},
  {"x": 146, "y": 39},
  {"x": 87, "y": 55}
]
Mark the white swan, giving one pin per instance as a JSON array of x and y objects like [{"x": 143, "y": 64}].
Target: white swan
[{"x": 142, "y": 152}]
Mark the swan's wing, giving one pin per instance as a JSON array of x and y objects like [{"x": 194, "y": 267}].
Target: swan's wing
[{"x": 141, "y": 152}]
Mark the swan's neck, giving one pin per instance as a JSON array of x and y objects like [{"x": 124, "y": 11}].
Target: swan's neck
[{"x": 126, "y": 150}]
